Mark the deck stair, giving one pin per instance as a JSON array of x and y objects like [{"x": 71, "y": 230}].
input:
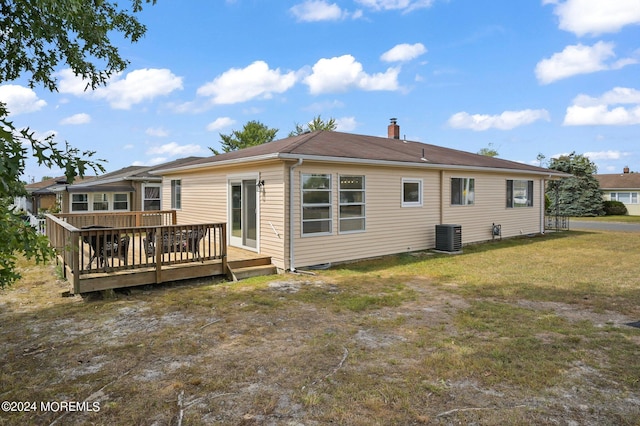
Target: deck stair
[{"x": 241, "y": 269}]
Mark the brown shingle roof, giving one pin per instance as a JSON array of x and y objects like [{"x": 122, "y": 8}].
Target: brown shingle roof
[
  {"x": 619, "y": 181},
  {"x": 337, "y": 145}
]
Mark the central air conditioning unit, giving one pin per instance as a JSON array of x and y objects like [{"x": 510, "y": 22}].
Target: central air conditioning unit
[{"x": 449, "y": 238}]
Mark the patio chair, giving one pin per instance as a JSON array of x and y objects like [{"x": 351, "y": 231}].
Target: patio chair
[
  {"x": 193, "y": 238},
  {"x": 120, "y": 249},
  {"x": 99, "y": 245},
  {"x": 172, "y": 241}
]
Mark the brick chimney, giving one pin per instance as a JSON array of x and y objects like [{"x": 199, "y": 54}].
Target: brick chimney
[
  {"x": 625, "y": 170},
  {"x": 393, "y": 130}
]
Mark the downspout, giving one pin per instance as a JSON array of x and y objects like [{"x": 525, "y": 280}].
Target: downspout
[
  {"x": 441, "y": 197},
  {"x": 291, "y": 212}
]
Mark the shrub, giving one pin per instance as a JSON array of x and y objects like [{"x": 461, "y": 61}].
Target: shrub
[{"x": 615, "y": 208}]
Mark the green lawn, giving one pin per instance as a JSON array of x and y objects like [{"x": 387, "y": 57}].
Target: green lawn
[{"x": 520, "y": 331}]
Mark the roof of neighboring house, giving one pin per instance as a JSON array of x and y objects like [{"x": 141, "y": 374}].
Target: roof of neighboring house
[
  {"x": 44, "y": 186},
  {"x": 116, "y": 181},
  {"x": 619, "y": 181},
  {"x": 345, "y": 147}
]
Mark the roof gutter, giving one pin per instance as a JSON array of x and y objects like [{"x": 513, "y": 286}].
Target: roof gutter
[
  {"x": 437, "y": 166},
  {"x": 291, "y": 212}
]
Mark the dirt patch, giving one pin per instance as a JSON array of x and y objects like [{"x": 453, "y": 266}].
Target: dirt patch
[{"x": 280, "y": 353}]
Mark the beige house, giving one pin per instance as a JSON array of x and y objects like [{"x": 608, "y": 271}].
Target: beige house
[
  {"x": 623, "y": 187},
  {"x": 327, "y": 197}
]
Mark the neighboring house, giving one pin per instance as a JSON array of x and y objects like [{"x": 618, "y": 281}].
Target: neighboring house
[
  {"x": 40, "y": 195},
  {"x": 132, "y": 188},
  {"x": 623, "y": 187},
  {"x": 327, "y": 197}
]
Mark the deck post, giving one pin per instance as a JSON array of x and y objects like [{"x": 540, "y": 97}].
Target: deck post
[
  {"x": 158, "y": 246},
  {"x": 223, "y": 246},
  {"x": 74, "y": 245}
]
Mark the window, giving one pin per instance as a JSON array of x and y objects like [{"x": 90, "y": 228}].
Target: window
[
  {"x": 100, "y": 202},
  {"x": 351, "y": 212},
  {"x": 463, "y": 191},
  {"x": 176, "y": 194},
  {"x": 411, "y": 192},
  {"x": 121, "y": 201},
  {"x": 519, "y": 193},
  {"x": 151, "y": 200},
  {"x": 316, "y": 204},
  {"x": 625, "y": 197},
  {"x": 79, "y": 202}
]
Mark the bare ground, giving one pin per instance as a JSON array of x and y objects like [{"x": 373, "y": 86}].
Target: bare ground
[{"x": 277, "y": 353}]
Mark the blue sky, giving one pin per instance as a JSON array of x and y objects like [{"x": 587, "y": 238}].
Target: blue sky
[{"x": 522, "y": 77}]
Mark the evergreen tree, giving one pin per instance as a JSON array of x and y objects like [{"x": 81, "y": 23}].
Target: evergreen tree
[
  {"x": 253, "y": 133},
  {"x": 316, "y": 124},
  {"x": 579, "y": 195}
]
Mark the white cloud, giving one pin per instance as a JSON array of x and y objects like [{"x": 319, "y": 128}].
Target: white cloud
[
  {"x": 220, "y": 123},
  {"x": 346, "y": 124},
  {"x": 339, "y": 74},
  {"x": 241, "y": 85},
  {"x": 151, "y": 162},
  {"x": 403, "y": 52},
  {"x": 20, "y": 100},
  {"x": 405, "y": 5},
  {"x": 617, "y": 107},
  {"x": 594, "y": 17},
  {"x": 81, "y": 118},
  {"x": 174, "y": 149},
  {"x": 138, "y": 86},
  {"x": 579, "y": 59},
  {"x": 605, "y": 155},
  {"x": 317, "y": 10},
  {"x": 505, "y": 121},
  {"x": 157, "y": 132}
]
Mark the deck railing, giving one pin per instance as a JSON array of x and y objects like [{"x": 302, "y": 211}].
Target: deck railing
[
  {"x": 121, "y": 219},
  {"x": 109, "y": 250}
]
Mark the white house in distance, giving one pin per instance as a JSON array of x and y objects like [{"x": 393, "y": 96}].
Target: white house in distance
[
  {"x": 623, "y": 187},
  {"x": 327, "y": 197}
]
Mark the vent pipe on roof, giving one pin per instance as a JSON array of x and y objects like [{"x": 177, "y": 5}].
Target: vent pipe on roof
[
  {"x": 393, "y": 131},
  {"x": 625, "y": 170}
]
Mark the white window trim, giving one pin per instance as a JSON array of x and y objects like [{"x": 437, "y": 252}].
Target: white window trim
[
  {"x": 302, "y": 206},
  {"x": 71, "y": 203},
  {"x": 420, "y": 190},
  {"x": 113, "y": 202},
  {"x": 631, "y": 197},
  {"x": 363, "y": 204},
  {"x": 173, "y": 194},
  {"x": 144, "y": 186}
]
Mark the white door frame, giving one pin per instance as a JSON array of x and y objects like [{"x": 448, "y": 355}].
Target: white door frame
[{"x": 243, "y": 239}]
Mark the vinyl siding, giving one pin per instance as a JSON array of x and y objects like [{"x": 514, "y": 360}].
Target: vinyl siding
[
  {"x": 204, "y": 199},
  {"x": 390, "y": 228},
  {"x": 490, "y": 207}
]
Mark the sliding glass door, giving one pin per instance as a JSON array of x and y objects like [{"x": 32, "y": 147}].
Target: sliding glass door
[{"x": 243, "y": 213}]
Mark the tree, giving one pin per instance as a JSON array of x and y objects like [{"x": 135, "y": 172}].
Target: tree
[
  {"x": 489, "y": 151},
  {"x": 37, "y": 37},
  {"x": 253, "y": 133},
  {"x": 579, "y": 195},
  {"x": 316, "y": 124}
]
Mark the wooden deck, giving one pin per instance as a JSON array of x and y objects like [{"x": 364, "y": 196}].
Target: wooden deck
[{"x": 100, "y": 257}]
